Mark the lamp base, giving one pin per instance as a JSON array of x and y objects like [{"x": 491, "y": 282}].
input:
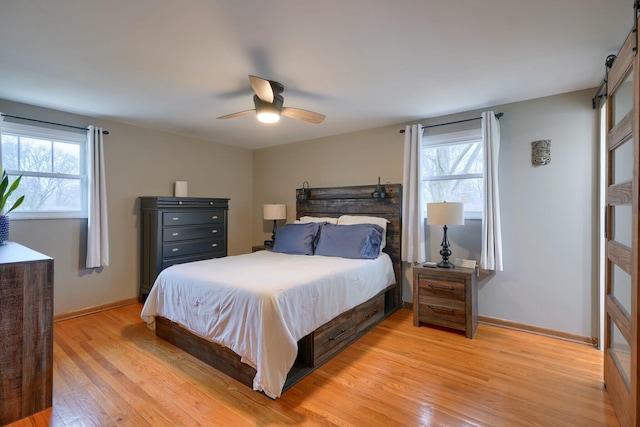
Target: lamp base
[
  {"x": 445, "y": 264},
  {"x": 445, "y": 251}
]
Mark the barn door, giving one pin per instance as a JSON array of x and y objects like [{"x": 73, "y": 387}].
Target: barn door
[{"x": 621, "y": 271}]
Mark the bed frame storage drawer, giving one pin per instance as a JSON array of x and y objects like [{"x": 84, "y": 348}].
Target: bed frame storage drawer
[
  {"x": 369, "y": 314},
  {"x": 333, "y": 336},
  {"x": 177, "y": 230}
]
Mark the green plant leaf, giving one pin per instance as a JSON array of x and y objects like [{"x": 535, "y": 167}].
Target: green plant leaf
[
  {"x": 4, "y": 193},
  {"x": 16, "y": 204}
]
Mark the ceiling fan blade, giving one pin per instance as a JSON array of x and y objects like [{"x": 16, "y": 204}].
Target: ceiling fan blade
[
  {"x": 238, "y": 114},
  {"x": 262, "y": 88},
  {"x": 304, "y": 115}
]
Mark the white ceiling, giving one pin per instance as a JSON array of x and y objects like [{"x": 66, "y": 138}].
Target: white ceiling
[{"x": 177, "y": 65}]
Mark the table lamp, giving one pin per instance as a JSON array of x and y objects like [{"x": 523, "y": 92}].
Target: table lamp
[
  {"x": 445, "y": 214},
  {"x": 274, "y": 212}
]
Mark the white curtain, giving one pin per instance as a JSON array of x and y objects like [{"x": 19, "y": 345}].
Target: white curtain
[
  {"x": 97, "y": 225},
  {"x": 491, "y": 253},
  {"x": 413, "y": 244}
]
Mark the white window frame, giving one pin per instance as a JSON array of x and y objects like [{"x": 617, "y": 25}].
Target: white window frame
[
  {"x": 69, "y": 137},
  {"x": 468, "y": 136}
]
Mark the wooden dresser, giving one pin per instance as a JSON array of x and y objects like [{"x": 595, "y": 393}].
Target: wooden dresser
[
  {"x": 177, "y": 230},
  {"x": 26, "y": 332},
  {"x": 446, "y": 297}
]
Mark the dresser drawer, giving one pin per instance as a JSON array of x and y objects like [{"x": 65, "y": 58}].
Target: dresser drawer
[
  {"x": 193, "y": 218},
  {"x": 192, "y": 247},
  {"x": 333, "y": 336},
  {"x": 181, "y": 260},
  {"x": 443, "y": 312},
  {"x": 173, "y": 234},
  {"x": 448, "y": 289},
  {"x": 369, "y": 313}
]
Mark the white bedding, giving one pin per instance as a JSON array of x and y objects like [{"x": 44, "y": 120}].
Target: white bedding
[{"x": 259, "y": 305}]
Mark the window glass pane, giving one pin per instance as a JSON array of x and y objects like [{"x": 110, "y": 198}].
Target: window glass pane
[
  {"x": 620, "y": 351},
  {"x": 66, "y": 158},
  {"x": 621, "y": 224},
  {"x": 53, "y": 167},
  {"x": 623, "y": 162},
  {"x": 9, "y": 152},
  {"x": 621, "y": 288},
  {"x": 622, "y": 99},
  {"x": 467, "y": 191},
  {"x": 35, "y": 155},
  {"x": 452, "y": 159},
  {"x": 50, "y": 194}
]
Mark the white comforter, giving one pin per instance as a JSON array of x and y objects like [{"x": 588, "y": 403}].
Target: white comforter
[{"x": 259, "y": 305}]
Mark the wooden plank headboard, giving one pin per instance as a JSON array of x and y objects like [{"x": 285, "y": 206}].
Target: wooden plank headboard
[{"x": 357, "y": 200}]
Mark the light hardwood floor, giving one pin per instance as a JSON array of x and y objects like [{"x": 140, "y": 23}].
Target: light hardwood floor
[{"x": 109, "y": 369}]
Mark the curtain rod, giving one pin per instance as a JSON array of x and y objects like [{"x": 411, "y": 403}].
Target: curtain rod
[
  {"x": 104, "y": 132},
  {"x": 498, "y": 115}
]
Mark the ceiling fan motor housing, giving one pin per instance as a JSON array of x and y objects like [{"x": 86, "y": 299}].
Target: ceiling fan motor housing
[{"x": 275, "y": 106}]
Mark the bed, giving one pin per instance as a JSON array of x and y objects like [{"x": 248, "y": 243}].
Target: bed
[{"x": 268, "y": 319}]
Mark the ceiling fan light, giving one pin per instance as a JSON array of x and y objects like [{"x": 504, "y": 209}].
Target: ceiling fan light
[{"x": 268, "y": 116}]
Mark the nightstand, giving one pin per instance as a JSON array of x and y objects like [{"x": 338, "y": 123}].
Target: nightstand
[
  {"x": 261, "y": 248},
  {"x": 446, "y": 297}
]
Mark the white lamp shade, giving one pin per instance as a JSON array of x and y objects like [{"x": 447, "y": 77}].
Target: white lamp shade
[
  {"x": 445, "y": 213},
  {"x": 275, "y": 211}
]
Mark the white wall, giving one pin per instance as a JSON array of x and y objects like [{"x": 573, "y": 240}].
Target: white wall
[
  {"x": 548, "y": 212},
  {"x": 138, "y": 162},
  {"x": 549, "y": 217}
]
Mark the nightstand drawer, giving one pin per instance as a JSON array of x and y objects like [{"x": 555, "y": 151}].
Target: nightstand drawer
[
  {"x": 443, "y": 312},
  {"x": 332, "y": 337},
  {"x": 446, "y": 297},
  {"x": 449, "y": 289},
  {"x": 187, "y": 233}
]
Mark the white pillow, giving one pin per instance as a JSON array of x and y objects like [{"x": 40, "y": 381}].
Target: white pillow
[
  {"x": 361, "y": 219},
  {"x": 308, "y": 219}
]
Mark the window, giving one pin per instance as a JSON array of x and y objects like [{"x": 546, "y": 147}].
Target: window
[
  {"x": 452, "y": 170},
  {"x": 54, "y": 168}
]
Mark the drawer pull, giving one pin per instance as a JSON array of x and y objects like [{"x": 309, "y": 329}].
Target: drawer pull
[
  {"x": 440, "y": 288},
  {"x": 366, "y": 316},
  {"x": 214, "y": 217},
  {"x": 337, "y": 336},
  {"x": 214, "y": 245},
  {"x": 175, "y": 218},
  {"x": 175, "y": 250},
  {"x": 440, "y": 308},
  {"x": 214, "y": 231},
  {"x": 175, "y": 234}
]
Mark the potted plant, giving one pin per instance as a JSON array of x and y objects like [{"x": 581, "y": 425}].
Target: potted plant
[{"x": 5, "y": 192}]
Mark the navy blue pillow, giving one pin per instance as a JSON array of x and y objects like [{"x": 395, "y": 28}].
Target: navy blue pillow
[
  {"x": 296, "y": 239},
  {"x": 350, "y": 241}
]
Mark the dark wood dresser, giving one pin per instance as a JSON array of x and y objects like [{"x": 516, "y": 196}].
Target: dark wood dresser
[
  {"x": 177, "y": 230},
  {"x": 446, "y": 297},
  {"x": 26, "y": 332}
]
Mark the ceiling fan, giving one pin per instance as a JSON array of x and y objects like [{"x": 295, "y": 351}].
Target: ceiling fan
[{"x": 269, "y": 104}]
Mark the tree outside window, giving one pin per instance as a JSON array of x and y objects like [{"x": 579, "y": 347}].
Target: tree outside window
[
  {"x": 452, "y": 171},
  {"x": 53, "y": 167}
]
